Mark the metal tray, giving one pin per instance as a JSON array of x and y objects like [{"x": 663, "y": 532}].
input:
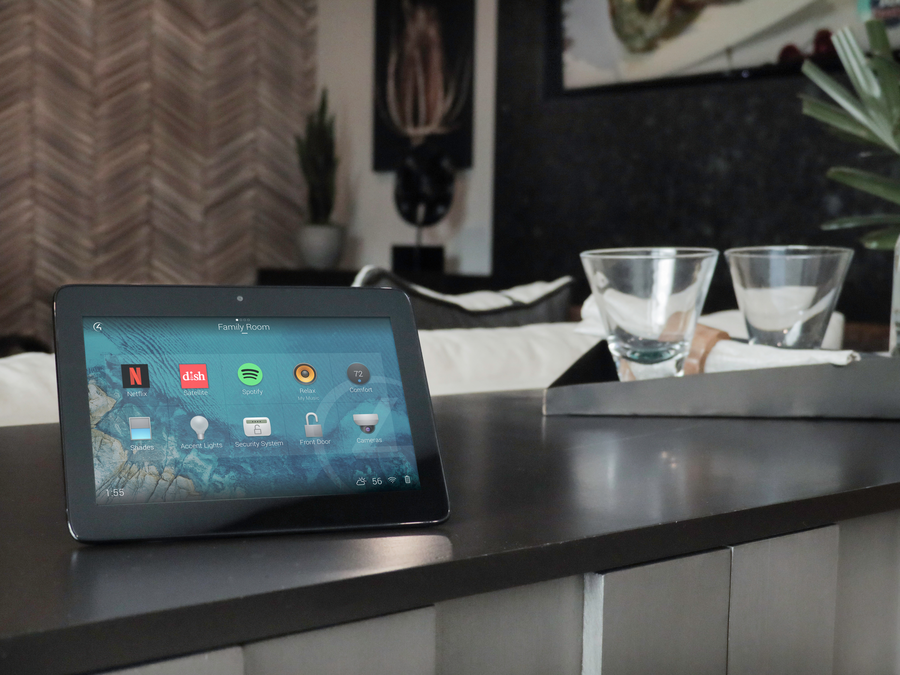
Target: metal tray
[{"x": 865, "y": 389}]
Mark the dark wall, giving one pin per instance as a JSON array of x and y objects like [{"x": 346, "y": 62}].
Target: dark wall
[{"x": 720, "y": 164}]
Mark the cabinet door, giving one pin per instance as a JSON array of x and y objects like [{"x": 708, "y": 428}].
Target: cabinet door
[
  {"x": 397, "y": 643},
  {"x": 782, "y": 614},
  {"x": 667, "y": 617},
  {"x": 221, "y": 662},
  {"x": 519, "y": 631},
  {"x": 868, "y": 596}
]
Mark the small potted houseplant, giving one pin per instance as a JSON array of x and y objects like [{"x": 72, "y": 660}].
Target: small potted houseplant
[
  {"x": 872, "y": 117},
  {"x": 321, "y": 241}
]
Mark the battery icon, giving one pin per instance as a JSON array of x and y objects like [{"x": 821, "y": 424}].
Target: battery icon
[
  {"x": 406, "y": 478},
  {"x": 140, "y": 428}
]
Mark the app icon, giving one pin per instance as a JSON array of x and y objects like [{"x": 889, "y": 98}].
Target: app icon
[
  {"x": 305, "y": 373},
  {"x": 193, "y": 376},
  {"x": 135, "y": 376},
  {"x": 140, "y": 428},
  {"x": 366, "y": 422},
  {"x": 358, "y": 373},
  {"x": 199, "y": 424},
  {"x": 313, "y": 430},
  {"x": 250, "y": 374},
  {"x": 257, "y": 426}
]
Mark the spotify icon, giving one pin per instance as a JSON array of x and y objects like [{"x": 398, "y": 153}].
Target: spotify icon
[
  {"x": 250, "y": 374},
  {"x": 304, "y": 373}
]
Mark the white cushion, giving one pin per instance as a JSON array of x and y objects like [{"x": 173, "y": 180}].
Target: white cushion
[
  {"x": 28, "y": 389},
  {"x": 464, "y": 360}
]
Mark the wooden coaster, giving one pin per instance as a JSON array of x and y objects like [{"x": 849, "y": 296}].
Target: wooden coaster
[{"x": 705, "y": 338}]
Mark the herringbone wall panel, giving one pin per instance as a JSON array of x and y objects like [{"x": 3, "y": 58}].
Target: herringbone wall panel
[
  {"x": 16, "y": 159},
  {"x": 147, "y": 141}
]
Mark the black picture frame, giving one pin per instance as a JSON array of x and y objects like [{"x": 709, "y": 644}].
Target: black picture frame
[{"x": 457, "y": 26}]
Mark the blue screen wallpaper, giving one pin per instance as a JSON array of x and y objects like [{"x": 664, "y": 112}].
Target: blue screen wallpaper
[{"x": 207, "y": 408}]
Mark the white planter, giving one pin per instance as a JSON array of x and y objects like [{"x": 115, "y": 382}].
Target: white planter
[{"x": 321, "y": 245}]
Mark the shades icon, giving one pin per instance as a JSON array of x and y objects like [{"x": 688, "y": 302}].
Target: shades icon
[
  {"x": 250, "y": 374},
  {"x": 140, "y": 428}
]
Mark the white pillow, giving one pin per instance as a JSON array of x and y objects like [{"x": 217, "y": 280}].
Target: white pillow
[
  {"x": 28, "y": 389},
  {"x": 466, "y": 360}
]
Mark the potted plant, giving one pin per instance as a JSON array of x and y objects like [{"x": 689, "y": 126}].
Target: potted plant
[
  {"x": 321, "y": 241},
  {"x": 871, "y": 117}
]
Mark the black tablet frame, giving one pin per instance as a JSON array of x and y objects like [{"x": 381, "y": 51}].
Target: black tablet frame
[{"x": 89, "y": 521}]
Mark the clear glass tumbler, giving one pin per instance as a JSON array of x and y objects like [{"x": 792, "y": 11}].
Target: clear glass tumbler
[
  {"x": 650, "y": 299},
  {"x": 787, "y": 293}
]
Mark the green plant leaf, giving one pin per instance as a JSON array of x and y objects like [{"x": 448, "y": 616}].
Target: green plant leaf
[
  {"x": 316, "y": 156},
  {"x": 881, "y": 240},
  {"x": 866, "y": 84},
  {"x": 836, "y": 117},
  {"x": 862, "y": 221},
  {"x": 879, "y": 44},
  {"x": 886, "y": 188},
  {"x": 848, "y": 102}
]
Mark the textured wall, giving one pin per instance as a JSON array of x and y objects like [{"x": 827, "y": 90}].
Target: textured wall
[
  {"x": 147, "y": 141},
  {"x": 721, "y": 164}
]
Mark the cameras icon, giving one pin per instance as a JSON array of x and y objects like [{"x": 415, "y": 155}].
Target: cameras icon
[{"x": 366, "y": 422}]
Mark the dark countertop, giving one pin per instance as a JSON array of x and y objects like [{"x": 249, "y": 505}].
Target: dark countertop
[{"x": 532, "y": 499}]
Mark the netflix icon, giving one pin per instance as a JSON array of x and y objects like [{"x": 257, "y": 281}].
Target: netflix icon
[
  {"x": 193, "y": 376},
  {"x": 135, "y": 376}
]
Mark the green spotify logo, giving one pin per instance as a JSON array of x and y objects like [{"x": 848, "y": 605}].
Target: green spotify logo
[{"x": 250, "y": 374}]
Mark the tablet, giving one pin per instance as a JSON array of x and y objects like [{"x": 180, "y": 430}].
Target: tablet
[{"x": 192, "y": 411}]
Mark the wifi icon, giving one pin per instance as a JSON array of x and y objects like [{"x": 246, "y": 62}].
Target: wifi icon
[
  {"x": 250, "y": 374},
  {"x": 392, "y": 479}
]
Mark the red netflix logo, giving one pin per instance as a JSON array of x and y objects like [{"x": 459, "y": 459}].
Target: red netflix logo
[
  {"x": 135, "y": 376},
  {"x": 193, "y": 376}
]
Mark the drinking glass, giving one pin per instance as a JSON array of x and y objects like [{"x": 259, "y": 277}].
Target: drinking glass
[
  {"x": 787, "y": 293},
  {"x": 650, "y": 299}
]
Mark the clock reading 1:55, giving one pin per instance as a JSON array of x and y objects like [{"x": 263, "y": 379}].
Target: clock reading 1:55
[{"x": 115, "y": 492}]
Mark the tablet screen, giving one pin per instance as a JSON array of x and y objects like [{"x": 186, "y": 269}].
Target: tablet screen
[{"x": 233, "y": 408}]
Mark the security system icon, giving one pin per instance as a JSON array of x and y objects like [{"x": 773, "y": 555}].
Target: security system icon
[
  {"x": 313, "y": 430},
  {"x": 257, "y": 426},
  {"x": 366, "y": 422},
  {"x": 304, "y": 373},
  {"x": 358, "y": 373}
]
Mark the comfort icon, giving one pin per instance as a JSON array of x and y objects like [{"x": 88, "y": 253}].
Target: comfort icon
[{"x": 313, "y": 430}]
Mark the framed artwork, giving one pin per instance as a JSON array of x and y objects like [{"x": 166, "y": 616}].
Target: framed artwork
[
  {"x": 619, "y": 42},
  {"x": 424, "y": 58}
]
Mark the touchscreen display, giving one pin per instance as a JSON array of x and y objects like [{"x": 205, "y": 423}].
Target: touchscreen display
[{"x": 235, "y": 408}]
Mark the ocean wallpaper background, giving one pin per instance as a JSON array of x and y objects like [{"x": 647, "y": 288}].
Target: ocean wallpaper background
[{"x": 207, "y": 408}]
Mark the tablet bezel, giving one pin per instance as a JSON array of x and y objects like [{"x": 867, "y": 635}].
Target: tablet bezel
[{"x": 89, "y": 521}]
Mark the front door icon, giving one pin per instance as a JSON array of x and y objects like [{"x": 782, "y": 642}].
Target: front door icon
[
  {"x": 257, "y": 426},
  {"x": 313, "y": 430}
]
